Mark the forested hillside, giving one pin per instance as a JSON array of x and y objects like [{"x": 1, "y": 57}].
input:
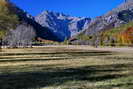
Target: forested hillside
[
  {"x": 120, "y": 36},
  {"x": 8, "y": 20}
]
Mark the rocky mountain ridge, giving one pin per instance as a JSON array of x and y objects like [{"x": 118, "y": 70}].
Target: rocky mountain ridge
[
  {"x": 115, "y": 18},
  {"x": 61, "y": 24}
]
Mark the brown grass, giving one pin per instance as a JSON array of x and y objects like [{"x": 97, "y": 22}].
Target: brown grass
[{"x": 66, "y": 67}]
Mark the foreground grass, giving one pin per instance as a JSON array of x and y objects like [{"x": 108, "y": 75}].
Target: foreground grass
[{"x": 66, "y": 68}]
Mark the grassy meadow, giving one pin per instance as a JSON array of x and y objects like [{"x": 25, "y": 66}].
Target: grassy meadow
[{"x": 66, "y": 67}]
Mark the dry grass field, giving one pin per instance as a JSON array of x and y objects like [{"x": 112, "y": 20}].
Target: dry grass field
[{"x": 66, "y": 67}]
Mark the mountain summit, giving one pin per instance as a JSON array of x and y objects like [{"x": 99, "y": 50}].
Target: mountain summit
[
  {"x": 114, "y": 18},
  {"x": 63, "y": 25}
]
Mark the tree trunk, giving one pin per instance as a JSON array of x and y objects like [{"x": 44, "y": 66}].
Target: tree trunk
[{"x": 0, "y": 44}]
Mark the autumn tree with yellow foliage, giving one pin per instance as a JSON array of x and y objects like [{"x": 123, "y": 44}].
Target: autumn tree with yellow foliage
[{"x": 8, "y": 19}]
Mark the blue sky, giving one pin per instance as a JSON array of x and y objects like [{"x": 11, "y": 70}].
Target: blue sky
[{"x": 80, "y": 8}]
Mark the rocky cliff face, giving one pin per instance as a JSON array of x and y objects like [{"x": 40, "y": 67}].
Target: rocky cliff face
[{"x": 63, "y": 25}]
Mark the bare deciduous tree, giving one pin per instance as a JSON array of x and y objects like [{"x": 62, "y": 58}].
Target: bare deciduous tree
[{"x": 22, "y": 36}]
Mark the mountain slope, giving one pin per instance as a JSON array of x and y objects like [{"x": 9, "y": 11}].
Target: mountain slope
[
  {"x": 121, "y": 36},
  {"x": 8, "y": 19},
  {"x": 123, "y": 14},
  {"x": 25, "y": 18},
  {"x": 63, "y": 25},
  {"x": 118, "y": 16},
  {"x": 42, "y": 32}
]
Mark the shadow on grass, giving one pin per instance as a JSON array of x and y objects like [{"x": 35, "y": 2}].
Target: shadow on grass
[
  {"x": 31, "y": 59},
  {"x": 90, "y": 53},
  {"x": 120, "y": 58},
  {"x": 60, "y": 56},
  {"x": 125, "y": 85},
  {"x": 33, "y": 80}
]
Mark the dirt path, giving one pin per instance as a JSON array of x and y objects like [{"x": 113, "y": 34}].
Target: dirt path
[
  {"x": 64, "y": 48},
  {"x": 86, "y": 47}
]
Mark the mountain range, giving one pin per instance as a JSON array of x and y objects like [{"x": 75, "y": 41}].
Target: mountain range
[
  {"x": 59, "y": 27},
  {"x": 63, "y": 25},
  {"x": 115, "y": 18},
  {"x": 51, "y": 25}
]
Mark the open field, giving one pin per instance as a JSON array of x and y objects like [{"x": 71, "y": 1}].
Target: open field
[{"x": 66, "y": 67}]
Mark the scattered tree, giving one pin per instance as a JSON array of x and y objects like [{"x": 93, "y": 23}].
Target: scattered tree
[{"x": 22, "y": 36}]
